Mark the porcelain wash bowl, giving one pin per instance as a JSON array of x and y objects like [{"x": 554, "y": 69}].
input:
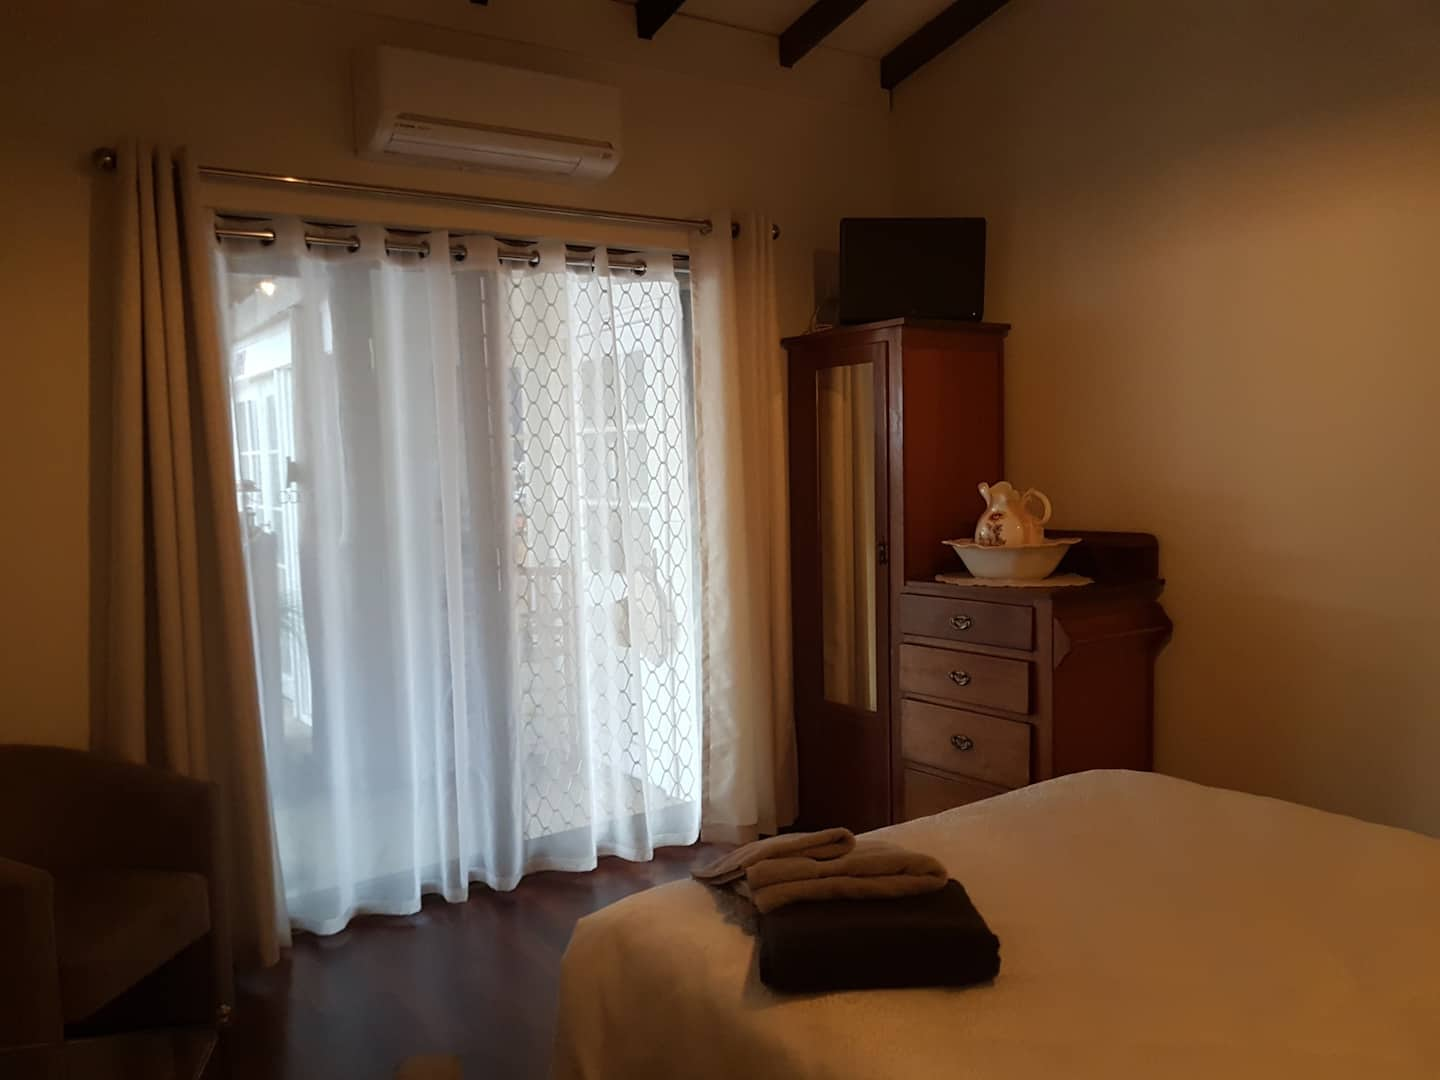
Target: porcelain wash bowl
[{"x": 1020, "y": 562}]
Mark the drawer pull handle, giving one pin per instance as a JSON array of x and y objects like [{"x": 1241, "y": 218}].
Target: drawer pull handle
[
  {"x": 960, "y": 678},
  {"x": 961, "y": 622},
  {"x": 962, "y": 742}
]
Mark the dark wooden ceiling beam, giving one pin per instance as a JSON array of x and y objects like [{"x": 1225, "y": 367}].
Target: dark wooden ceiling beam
[
  {"x": 934, "y": 38},
  {"x": 651, "y": 15},
  {"x": 813, "y": 27}
]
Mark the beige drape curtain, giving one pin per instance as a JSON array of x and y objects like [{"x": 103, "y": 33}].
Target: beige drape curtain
[
  {"x": 749, "y": 783},
  {"x": 179, "y": 664}
]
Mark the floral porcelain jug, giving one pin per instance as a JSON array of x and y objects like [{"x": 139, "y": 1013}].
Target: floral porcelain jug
[{"x": 1007, "y": 520}]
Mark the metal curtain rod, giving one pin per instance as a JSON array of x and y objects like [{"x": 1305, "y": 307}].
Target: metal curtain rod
[
  {"x": 458, "y": 252},
  {"x": 107, "y": 157}
]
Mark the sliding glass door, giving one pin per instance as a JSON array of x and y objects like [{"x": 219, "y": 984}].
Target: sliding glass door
[{"x": 468, "y": 497}]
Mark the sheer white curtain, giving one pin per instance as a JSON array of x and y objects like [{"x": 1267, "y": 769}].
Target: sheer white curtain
[{"x": 470, "y": 534}]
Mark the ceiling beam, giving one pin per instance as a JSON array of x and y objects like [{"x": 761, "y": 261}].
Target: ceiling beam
[
  {"x": 934, "y": 38},
  {"x": 650, "y": 15},
  {"x": 813, "y": 27}
]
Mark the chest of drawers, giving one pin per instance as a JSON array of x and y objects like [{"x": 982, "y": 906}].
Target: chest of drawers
[{"x": 999, "y": 688}]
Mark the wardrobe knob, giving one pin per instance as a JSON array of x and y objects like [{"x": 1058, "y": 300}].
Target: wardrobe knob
[
  {"x": 960, "y": 678},
  {"x": 961, "y": 622},
  {"x": 962, "y": 742}
]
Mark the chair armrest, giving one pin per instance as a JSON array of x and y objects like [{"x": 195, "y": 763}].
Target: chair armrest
[
  {"x": 61, "y": 807},
  {"x": 30, "y": 1009}
]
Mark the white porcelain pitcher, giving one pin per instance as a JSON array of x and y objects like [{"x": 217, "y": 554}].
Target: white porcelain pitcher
[{"x": 1007, "y": 520}]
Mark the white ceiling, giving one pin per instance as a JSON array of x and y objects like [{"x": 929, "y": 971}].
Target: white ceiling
[{"x": 872, "y": 31}]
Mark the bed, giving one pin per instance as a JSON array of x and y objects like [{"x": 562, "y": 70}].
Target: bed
[{"x": 1150, "y": 927}]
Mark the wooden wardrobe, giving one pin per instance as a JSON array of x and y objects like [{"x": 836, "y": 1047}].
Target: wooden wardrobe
[{"x": 913, "y": 695}]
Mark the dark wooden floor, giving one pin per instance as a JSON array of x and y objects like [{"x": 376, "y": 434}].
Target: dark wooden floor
[{"x": 478, "y": 980}]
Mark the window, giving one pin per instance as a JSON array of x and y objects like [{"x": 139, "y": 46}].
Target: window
[
  {"x": 600, "y": 427},
  {"x": 263, "y": 405},
  {"x": 468, "y": 498}
]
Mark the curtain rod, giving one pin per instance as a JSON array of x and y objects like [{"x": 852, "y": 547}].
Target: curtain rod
[
  {"x": 107, "y": 157},
  {"x": 458, "y": 252}
]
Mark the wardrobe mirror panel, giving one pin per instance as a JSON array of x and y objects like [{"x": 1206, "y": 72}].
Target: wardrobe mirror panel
[{"x": 845, "y": 408}]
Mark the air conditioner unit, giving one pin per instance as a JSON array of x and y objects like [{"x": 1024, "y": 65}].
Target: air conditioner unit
[{"x": 418, "y": 107}]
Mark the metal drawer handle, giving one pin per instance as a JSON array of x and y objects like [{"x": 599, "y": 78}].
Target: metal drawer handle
[
  {"x": 960, "y": 678},
  {"x": 962, "y": 742},
  {"x": 961, "y": 622}
]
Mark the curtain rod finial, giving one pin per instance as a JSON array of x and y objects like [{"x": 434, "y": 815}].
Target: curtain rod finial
[{"x": 105, "y": 158}]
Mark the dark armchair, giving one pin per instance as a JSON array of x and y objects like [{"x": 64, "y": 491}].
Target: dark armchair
[{"x": 111, "y": 897}]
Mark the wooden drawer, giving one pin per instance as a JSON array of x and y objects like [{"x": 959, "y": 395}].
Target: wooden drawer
[
  {"x": 965, "y": 677},
  {"x": 926, "y": 794},
  {"x": 1010, "y": 626},
  {"x": 984, "y": 747}
]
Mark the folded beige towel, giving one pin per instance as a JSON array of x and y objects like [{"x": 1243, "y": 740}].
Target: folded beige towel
[
  {"x": 874, "y": 870},
  {"x": 826, "y": 844}
]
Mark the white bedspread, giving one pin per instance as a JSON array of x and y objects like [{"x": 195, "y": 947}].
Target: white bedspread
[{"x": 1149, "y": 927}]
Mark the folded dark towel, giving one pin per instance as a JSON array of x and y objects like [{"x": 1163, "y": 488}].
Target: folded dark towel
[{"x": 937, "y": 939}]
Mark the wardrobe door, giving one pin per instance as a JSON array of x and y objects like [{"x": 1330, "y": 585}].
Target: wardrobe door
[{"x": 839, "y": 445}]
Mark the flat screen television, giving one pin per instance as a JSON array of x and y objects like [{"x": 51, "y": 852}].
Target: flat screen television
[{"x": 924, "y": 268}]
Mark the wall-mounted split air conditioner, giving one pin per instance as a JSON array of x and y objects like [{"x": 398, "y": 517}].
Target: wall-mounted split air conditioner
[{"x": 437, "y": 110}]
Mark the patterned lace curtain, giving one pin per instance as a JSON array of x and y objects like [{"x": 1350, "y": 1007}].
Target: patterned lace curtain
[{"x": 470, "y": 517}]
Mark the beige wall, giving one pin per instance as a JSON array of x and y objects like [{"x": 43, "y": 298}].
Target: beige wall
[
  {"x": 1216, "y": 228},
  {"x": 710, "y": 119}
]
